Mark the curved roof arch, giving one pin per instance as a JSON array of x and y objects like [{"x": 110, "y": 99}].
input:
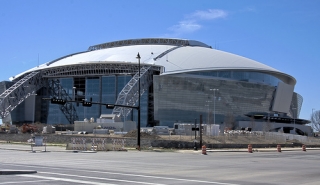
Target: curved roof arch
[
  {"x": 176, "y": 56},
  {"x": 190, "y": 59}
]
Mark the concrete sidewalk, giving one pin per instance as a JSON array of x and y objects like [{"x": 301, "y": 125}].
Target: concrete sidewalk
[
  {"x": 246, "y": 150},
  {"x": 27, "y": 147},
  {"x": 62, "y": 148}
]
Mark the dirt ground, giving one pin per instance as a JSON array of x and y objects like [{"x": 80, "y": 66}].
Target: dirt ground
[{"x": 224, "y": 139}]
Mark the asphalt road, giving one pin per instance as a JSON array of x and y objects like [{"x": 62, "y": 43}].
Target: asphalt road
[{"x": 134, "y": 167}]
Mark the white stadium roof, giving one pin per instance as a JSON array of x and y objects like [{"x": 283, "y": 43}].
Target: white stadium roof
[{"x": 175, "y": 58}]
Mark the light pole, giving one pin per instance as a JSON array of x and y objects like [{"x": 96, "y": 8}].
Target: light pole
[
  {"x": 208, "y": 105},
  {"x": 312, "y": 121},
  {"x": 138, "y": 127},
  {"x": 214, "y": 104},
  {"x": 34, "y": 107},
  {"x": 294, "y": 121},
  {"x": 74, "y": 93},
  {"x": 74, "y": 99}
]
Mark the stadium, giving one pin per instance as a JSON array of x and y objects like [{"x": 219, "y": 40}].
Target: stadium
[{"x": 179, "y": 81}]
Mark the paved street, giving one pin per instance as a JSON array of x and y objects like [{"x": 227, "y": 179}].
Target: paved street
[{"x": 186, "y": 167}]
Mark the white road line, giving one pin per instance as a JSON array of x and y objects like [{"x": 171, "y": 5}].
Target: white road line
[
  {"x": 126, "y": 174},
  {"x": 99, "y": 178},
  {"x": 65, "y": 180},
  {"x": 84, "y": 162},
  {"x": 23, "y": 182},
  {"x": 166, "y": 178}
]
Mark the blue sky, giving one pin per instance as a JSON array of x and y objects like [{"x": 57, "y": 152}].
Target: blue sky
[{"x": 284, "y": 34}]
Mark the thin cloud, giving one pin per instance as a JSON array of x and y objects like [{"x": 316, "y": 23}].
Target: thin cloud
[
  {"x": 210, "y": 14},
  {"x": 185, "y": 27},
  {"x": 192, "y": 21}
]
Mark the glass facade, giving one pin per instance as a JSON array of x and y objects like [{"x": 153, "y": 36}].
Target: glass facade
[
  {"x": 177, "y": 98},
  {"x": 104, "y": 89},
  {"x": 296, "y": 105},
  {"x": 183, "y": 98},
  {"x": 246, "y": 76}
]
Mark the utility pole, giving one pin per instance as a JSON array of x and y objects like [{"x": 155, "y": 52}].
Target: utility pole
[
  {"x": 195, "y": 134},
  {"x": 200, "y": 130},
  {"x": 139, "y": 107}
]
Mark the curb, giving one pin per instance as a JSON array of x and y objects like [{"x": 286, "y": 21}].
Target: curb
[
  {"x": 246, "y": 151},
  {"x": 14, "y": 172},
  {"x": 210, "y": 150}
]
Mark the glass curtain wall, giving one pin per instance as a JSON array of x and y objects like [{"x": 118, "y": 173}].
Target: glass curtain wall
[
  {"x": 247, "y": 76},
  {"x": 109, "y": 92},
  {"x": 184, "y": 99},
  {"x": 103, "y": 89},
  {"x": 55, "y": 115}
]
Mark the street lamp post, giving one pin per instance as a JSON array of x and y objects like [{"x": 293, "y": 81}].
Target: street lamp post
[
  {"x": 214, "y": 104},
  {"x": 34, "y": 107},
  {"x": 208, "y": 115},
  {"x": 294, "y": 121},
  {"x": 208, "y": 105},
  {"x": 74, "y": 93},
  {"x": 138, "y": 127},
  {"x": 74, "y": 99}
]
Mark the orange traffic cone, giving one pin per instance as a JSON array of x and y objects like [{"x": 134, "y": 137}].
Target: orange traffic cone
[
  {"x": 249, "y": 148},
  {"x": 204, "y": 150},
  {"x": 279, "y": 148}
]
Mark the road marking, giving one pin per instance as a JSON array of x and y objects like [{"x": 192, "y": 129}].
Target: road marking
[
  {"x": 65, "y": 180},
  {"x": 126, "y": 174},
  {"x": 22, "y": 182},
  {"x": 166, "y": 178},
  {"x": 99, "y": 178}
]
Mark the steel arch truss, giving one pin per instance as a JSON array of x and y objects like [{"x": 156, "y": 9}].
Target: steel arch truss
[
  {"x": 146, "y": 41},
  {"x": 68, "y": 109},
  {"x": 30, "y": 83},
  {"x": 129, "y": 95},
  {"x": 18, "y": 92},
  {"x": 93, "y": 69}
]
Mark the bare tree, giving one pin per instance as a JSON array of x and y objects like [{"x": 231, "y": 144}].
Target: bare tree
[{"x": 315, "y": 121}]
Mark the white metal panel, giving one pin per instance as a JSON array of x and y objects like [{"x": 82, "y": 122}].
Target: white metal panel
[
  {"x": 283, "y": 98},
  {"x": 182, "y": 59},
  {"x": 196, "y": 58}
]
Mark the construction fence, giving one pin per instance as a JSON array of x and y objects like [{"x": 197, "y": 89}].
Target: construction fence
[{"x": 96, "y": 144}]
